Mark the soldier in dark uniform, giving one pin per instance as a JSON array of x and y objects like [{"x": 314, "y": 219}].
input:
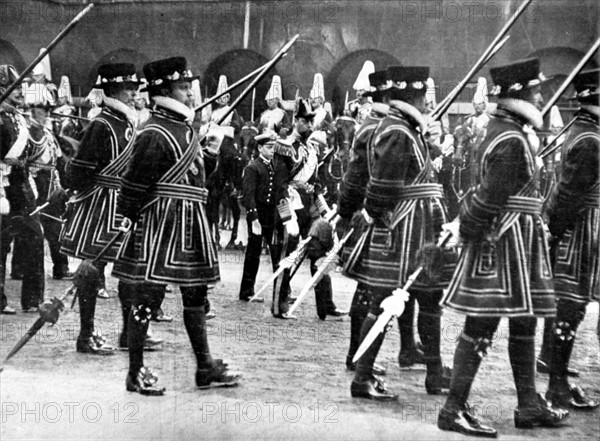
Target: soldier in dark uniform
[
  {"x": 403, "y": 211},
  {"x": 259, "y": 201},
  {"x": 351, "y": 198},
  {"x": 574, "y": 220},
  {"x": 18, "y": 199},
  {"x": 297, "y": 191},
  {"x": 504, "y": 269},
  {"x": 163, "y": 193},
  {"x": 94, "y": 176}
]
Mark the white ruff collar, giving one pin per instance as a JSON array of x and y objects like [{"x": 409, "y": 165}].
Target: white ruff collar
[
  {"x": 523, "y": 109},
  {"x": 594, "y": 110},
  {"x": 411, "y": 111},
  {"x": 175, "y": 106},
  {"x": 121, "y": 108}
]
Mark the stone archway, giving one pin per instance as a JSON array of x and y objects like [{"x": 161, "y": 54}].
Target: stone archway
[
  {"x": 10, "y": 55},
  {"x": 236, "y": 64},
  {"x": 341, "y": 78},
  {"x": 121, "y": 55},
  {"x": 557, "y": 63}
]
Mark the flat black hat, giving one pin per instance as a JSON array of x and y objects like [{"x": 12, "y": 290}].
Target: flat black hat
[
  {"x": 408, "y": 77},
  {"x": 116, "y": 73},
  {"x": 379, "y": 81},
  {"x": 587, "y": 82},
  {"x": 517, "y": 75},
  {"x": 161, "y": 72}
]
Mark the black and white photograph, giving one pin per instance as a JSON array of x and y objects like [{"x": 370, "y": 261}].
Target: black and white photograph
[{"x": 299, "y": 220}]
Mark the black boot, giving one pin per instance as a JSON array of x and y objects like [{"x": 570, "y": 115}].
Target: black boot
[
  {"x": 560, "y": 393},
  {"x": 410, "y": 353},
  {"x": 438, "y": 377},
  {"x": 87, "y": 342},
  {"x": 521, "y": 351},
  {"x": 365, "y": 385},
  {"x": 455, "y": 415},
  {"x": 545, "y": 357},
  {"x": 210, "y": 373}
]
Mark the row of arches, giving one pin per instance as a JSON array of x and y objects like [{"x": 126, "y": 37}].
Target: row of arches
[{"x": 236, "y": 63}]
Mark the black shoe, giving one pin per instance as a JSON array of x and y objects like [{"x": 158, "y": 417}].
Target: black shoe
[
  {"x": 8, "y": 310},
  {"x": 372, "y": 389},
  {"x": 337, "y": 312},
  {"x": 216, "y": 376},
  {"x": 160, "y": 316},
  {"x": 31, "y": 310},
  {"x": 150, "y": 342},
  {"x": 541, "y": 414},
  {"x": 210, "y": 315},
  {"x": 143, "y": 383},
  {"x": 94, "y": 346},
  {"x": 575, "y": 398},
  {"x": 63, "y": 276},
  {"x": 103, "y": 293},
  {"x": 543, "y": 368},
  {"x": 411, "y": 357},
  {"x": 463, "y": 421},
  {"x": 438, "y": 384},
  {"x": 377, "y": 369}
]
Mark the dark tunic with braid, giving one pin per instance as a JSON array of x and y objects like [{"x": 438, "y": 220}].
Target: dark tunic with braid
[
  {"x": 504, "y": 268},
  {"x": 402, "y": 198},
  {"x": 94, "y": 173},
  {"x": 163, "y": 192},
  {"x": 574, "y": 213}
]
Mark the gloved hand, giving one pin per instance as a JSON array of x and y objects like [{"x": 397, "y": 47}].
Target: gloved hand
[
  {"x": 256, "y": 227},
  {"x": 292, "y": 227},
  {"x": 437, "y": 164}
]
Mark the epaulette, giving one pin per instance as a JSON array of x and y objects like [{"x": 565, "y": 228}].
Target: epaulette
[{"x": 285, "y": 150}]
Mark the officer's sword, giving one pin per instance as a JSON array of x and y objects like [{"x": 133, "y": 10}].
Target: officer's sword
[{"x": 393, "y": 306}]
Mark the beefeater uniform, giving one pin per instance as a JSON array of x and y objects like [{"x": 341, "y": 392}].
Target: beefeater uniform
[
  {"x": 407, "y": 211},
  {"x": 94, "y": 175},
  {"x": 504, "y": 269},
  {"x": 17, "y": 191},
  {"x": 163, "y": 193},
  {"x": 574, "y": 222}
]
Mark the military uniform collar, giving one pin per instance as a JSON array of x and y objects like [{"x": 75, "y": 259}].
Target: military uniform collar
[
  {"x": 521, "y": 110},
  {"x": 264, "y": 160},
  {"x": 380, "y": 109},
  {"x": 173, "y": 106},
  {"x": 415, "y": 117},
  {"x": 119, "y": 108}
]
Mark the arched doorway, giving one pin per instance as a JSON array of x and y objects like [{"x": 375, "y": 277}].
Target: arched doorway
[
  {"x": 122, "y": 55},
  {"x": 10, "y": 55},
  {"x": 236, "y": 64},
  {"x": 341, "y": 78},
  {"x": 557, "y": 63}
]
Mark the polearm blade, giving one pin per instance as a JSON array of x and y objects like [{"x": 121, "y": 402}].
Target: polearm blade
[
  {"x": 316, "y": 278},
  {"x": 45, "y": 52},
  {"x": 388, "y": 314},
  {"x": 287, "y": 262},
  {"x": 39, "y": 323},
  {"x": 570, "y": 78},
  {"x": 441, "y": 108}
]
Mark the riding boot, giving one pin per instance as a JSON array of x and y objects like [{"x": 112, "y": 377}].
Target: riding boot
[
  {"x": 139, "y": 320},
  {"x": 87, "y": 310},
  {"x": 409, "y": 354},
  {"x": 437, "y": 378},
  {"x": 547, "y": 340},
  {"x": 364, "y": 366},
  {"x": 521, "y": 351},
  {"x": 467, "y": 358},
  {"x": 194, "y": 320}
]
